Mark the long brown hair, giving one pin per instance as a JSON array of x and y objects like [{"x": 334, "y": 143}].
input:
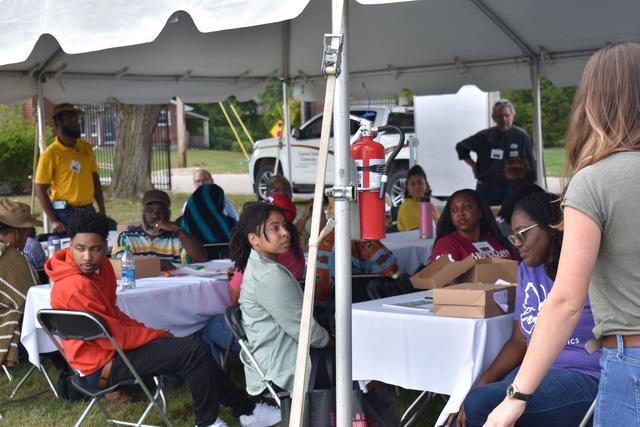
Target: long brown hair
[{"x": 606, "y": 110}]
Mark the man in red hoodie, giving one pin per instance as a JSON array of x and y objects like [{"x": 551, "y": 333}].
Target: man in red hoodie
[{"x": 84, "y": 280}]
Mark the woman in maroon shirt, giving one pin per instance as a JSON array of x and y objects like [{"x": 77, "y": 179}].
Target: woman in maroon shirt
[{"x": 467, "y": 227}]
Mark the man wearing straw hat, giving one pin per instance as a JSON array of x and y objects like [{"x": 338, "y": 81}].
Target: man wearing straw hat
[
  {"x": 16, "y": 274},
  {"x": 68, "y": 167}
]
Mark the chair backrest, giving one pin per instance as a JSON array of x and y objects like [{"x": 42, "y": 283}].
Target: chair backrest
[
  {"x": 45, "y": 236},
  {"x": 233, "y": 316},
  {"x": 217, "y": 250},
  {"x": 71, "y": 324}
]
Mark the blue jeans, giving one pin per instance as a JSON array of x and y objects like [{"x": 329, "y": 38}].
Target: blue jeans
[
  {"x": 562, "y": 399},
  {"x": 217, "y": 334},
  {"x": 619, "y": 395},
  {"x": 64, "y": 215}
]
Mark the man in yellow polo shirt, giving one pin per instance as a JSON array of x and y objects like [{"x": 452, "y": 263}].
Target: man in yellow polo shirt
[{"x": 67, "y": 167}]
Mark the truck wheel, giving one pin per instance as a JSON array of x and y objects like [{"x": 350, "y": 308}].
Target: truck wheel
[
  {"x": 395, "y": 189},
  {"x": 264, "y": 173}
]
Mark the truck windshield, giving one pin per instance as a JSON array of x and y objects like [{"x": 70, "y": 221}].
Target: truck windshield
[{"x": 403, "y": 120}]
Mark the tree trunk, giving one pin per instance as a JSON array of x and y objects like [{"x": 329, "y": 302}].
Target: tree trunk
[
  {"x": 132, "y": 162},
  {"x": 181, "y": 126}
]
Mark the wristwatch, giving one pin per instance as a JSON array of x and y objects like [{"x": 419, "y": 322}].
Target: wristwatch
[{"x": 513, "y": 393}]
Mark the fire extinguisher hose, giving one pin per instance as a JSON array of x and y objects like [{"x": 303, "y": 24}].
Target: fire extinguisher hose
[{"x": 393, "y": 155}]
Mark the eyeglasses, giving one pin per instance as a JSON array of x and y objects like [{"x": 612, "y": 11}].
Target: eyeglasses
[{"x": 518, "y": 236}]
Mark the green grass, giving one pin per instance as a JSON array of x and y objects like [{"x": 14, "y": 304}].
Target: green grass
[
  {"x": 130, "y": 212},
  {"x": 554, "y": 159},
  {"x": 215, "y": 161},
  {"x": 44, "y": 410}
]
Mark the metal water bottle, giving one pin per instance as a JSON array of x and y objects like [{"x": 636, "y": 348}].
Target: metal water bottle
[
  {"x": 426, "y": 218},
  {"x": 128, "y": 268}
]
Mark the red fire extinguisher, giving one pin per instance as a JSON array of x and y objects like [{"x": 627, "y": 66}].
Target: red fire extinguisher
[{"x": 371, "y": 169}]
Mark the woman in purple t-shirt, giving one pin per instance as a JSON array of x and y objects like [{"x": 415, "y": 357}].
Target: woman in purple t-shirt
[{"x": 568, "y": 389}]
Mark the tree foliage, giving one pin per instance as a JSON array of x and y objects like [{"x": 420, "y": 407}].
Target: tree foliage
[
  {"x": 258, "y": 117},
  {"x": 17, "y": 138},
  {"x": 556, "y": 108}
]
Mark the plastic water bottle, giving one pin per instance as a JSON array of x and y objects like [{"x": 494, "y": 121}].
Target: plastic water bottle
[
  {"x": 128, "y": 268},
  {"x": 426, "y": 219}
]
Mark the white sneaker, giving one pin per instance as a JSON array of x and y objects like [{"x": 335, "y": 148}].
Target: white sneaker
[
  {"x": 219, "y": 423},
  {"x": 262, "y": 416}
]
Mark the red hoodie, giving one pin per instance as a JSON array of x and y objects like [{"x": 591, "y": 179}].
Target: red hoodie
[{"x": 95, "y": 293}]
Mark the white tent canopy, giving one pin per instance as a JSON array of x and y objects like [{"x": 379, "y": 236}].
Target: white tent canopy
[
  {"x": 145, "y": 52},
  {"x": 100, "y": 50}
]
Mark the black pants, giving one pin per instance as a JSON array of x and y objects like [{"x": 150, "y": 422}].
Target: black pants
[{"x": 208, "y": 383}]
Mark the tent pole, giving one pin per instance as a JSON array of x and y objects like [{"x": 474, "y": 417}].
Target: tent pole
[
  {"x": 42, "y": 144},
  {"x": 342, "y": 215},
  {"x": 537, "y": 124},
  {"x": 286, "y": 120},
  {"x": 286, "y": 126}
]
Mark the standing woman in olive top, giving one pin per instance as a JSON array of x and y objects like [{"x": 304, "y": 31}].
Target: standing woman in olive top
[
  {"x": 601, "y": 245},
  {"x": 467, "y": 227},
  {"x": 417, "y": 188}
]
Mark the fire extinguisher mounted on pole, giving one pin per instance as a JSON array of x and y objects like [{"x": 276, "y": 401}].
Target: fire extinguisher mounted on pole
[{"x": 371, "y": 168}]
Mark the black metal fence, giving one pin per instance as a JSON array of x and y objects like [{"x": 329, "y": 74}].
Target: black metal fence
[{"x": 98, "y": 124}]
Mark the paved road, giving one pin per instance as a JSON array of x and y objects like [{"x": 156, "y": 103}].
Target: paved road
[{"x": 182, "y": 182}]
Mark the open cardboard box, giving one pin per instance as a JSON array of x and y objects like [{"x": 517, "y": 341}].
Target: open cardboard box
[
  {"x": 146, "y": 266},
  {"x": 444, "y": 272},
  {"x": 475, "y": 300}
]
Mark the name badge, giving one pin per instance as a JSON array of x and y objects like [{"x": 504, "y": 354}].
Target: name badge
[
  {"x": 497, "y": 154},
  {"x": 75, "y": 166},
  {"x": 483, "y": 246},
  {"x": 514, "y": 146}
]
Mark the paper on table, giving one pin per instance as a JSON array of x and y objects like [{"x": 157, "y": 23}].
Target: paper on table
[
  {"x": 501, "y": 297},
  {"x": 423, "y": 304},
  {"x": 200, "y": 271}
]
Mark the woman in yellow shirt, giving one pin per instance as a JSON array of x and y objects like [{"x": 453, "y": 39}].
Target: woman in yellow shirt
[{"x": 417, "y": 188}]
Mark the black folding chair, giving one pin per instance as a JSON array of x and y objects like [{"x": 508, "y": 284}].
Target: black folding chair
[
  {"x": 233, "y": 317},
  {"x": 217, "y": 250},
  {"x": 587, "y": 417},
  {"x": 80, "y": 325}
]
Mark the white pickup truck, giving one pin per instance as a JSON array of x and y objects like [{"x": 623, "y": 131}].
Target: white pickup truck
[{"x": 305, "y": 145}]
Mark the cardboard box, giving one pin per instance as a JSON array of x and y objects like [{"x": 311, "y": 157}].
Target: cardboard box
[
  {"x": 146, "y": 266},
  {"x": 444, "y": 272},
  {"x": 489, "y": 270},
  {"x": 474, "y": 300},
  {"x": 441, "y": 272}
]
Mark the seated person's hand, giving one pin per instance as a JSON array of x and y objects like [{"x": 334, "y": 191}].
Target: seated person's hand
[
  {"x": 168, "y": 332},
  {"x": 166, "y": 266},
  {"x": 166, "y": 226},
  {"x": 461, "y": 419},
  {"x": 331, "y": 343},
  {"x": 308, "y": 210},
  {"x": 231, "y": 271}
]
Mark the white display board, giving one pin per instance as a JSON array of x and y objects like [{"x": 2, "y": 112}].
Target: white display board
[{"x": 441, "y": 122}]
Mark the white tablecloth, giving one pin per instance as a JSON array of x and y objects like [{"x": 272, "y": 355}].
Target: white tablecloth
[
  {"x": 409, "y": 249},
  {"x": 420, "y": 351},
  {"x": 181, "y": 304}
]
